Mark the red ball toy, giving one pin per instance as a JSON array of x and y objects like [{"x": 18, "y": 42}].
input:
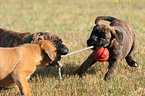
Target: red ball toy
[{"x": 101, "y": 54}]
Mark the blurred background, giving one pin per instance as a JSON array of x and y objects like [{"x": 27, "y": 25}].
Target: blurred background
[{"x": 73, "y": 20}]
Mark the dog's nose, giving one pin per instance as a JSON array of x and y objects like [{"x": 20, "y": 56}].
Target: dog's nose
[
  {"x": 64, "y": 50},
  {"x": 90, "y": 42}
]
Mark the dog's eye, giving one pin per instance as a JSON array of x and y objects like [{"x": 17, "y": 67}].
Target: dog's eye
[{"x": 94, "y": 37}]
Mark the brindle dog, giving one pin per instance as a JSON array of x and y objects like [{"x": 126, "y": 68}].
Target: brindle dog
[
  {"x": 118, "y": 38},
  {"x": 10, "y": 38}
]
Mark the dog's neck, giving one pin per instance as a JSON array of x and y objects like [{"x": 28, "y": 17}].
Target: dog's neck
[
  {"x": 36, "y": 51},
  {"x": 41, "y": 59}
]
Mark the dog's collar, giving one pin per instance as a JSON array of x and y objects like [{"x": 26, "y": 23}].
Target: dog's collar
[{"x": 28, "y": 39}]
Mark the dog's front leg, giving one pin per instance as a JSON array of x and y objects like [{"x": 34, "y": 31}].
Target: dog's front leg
[
  {"x": 21, "y": 80},
  {"x": 86, "y": 64},
  {"x": 112, "y": 68}
]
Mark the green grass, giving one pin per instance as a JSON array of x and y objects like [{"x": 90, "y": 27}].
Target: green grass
[{"x": 73, "y": 21}]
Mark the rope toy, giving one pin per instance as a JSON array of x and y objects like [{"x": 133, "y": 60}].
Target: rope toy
[
  {"x": 59, "y": 70},
  {"x": 78, "y": 51}
]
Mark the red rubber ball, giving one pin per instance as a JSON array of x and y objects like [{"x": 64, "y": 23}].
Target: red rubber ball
[{"x": 101, "y": 54}]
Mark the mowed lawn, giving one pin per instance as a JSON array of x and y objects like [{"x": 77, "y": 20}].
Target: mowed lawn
[{"x": 73, "y": 20}]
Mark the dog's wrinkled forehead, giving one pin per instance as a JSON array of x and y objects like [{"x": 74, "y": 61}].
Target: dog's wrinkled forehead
[
  {"x": 57, "y": 44},
  {"x": 45, "y": 36},
  {"x": 100, "y": 30},
  {"x": 49, "y": 36}
]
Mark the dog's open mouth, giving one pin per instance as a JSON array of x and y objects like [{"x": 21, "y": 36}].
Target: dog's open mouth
[{"x": 97, "y": 45}]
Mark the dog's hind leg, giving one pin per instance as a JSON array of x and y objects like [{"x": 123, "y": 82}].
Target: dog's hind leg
[{"x": 129, "y": 58}]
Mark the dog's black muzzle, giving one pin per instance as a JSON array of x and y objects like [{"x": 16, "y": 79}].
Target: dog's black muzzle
[
  {"x": 63, "y": 50},
  {"x": 96, "y": 42},
  {"x": 92, "y": 41}
]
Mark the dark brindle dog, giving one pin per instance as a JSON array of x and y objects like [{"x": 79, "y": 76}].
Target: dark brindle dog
[
  {"x": 118, "y": 38},
  {"x": 10, "y": 38}
]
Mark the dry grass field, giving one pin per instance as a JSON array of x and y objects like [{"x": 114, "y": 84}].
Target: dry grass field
[{"x": 73, "y": 20}]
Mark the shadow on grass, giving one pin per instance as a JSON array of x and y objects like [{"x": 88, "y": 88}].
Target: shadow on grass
[
  {"x": 53, "y": 71},
  {"x": 4, "y": 88}
]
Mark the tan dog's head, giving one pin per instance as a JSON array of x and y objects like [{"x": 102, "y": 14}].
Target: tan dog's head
[
  {"x": 102, "y": 34},
  {"x": 49, "y": 53}
]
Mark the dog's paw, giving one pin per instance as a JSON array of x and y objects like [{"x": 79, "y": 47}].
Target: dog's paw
[
  {"x": 133, "y": 64},
  {"x": 108, "y": 76}
]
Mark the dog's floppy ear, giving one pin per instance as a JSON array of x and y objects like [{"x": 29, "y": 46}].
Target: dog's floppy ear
[
  {"x": 117, "y": 32},
  {"x": 48, "y": 50}
]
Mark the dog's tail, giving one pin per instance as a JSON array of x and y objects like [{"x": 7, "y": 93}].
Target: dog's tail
[{"x": 107, "y": 18}]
